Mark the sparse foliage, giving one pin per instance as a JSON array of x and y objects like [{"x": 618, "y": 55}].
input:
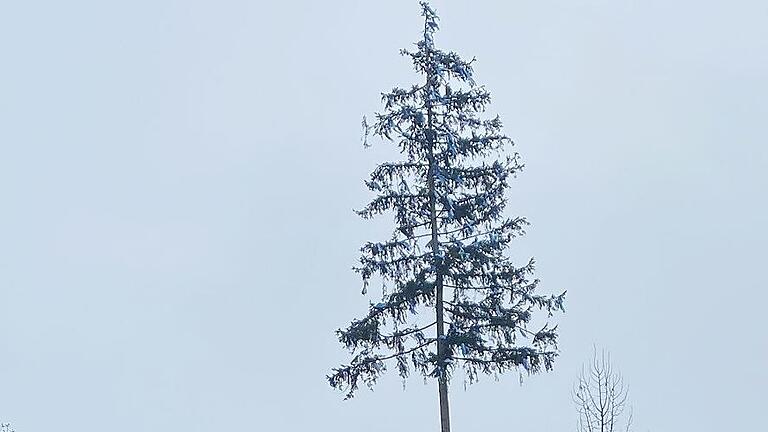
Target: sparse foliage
[
  {"x": 446, "y": 253},
  {"x": 601, "y": 398}
]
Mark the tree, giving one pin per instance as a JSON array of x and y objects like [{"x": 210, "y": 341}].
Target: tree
[
  {"x": 446, "y": 253},
  {"x": 5, "y": 427},
  {"x": 600, "y": 396}
]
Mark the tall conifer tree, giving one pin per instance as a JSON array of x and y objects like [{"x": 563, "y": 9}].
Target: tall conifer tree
[{"x": 446, "y": 254}]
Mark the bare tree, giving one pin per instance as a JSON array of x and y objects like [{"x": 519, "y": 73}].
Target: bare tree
[{"x": 600, "y": 396}]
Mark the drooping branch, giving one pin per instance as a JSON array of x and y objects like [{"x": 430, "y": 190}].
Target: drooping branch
[{"x": 367, "y": 368}]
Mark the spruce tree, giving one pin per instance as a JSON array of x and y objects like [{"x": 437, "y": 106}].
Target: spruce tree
[{"x": 446, "y": 254}]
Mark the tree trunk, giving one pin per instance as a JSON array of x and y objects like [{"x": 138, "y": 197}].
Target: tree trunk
[
  {"x": 445, "y": 419},
  {"x": 442, "y": 380}
]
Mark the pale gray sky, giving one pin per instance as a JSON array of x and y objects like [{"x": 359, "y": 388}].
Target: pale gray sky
[{"x": 177, "y": 179}]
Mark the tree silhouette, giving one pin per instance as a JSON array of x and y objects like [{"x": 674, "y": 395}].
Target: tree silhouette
[
  {"x": 446, "y": 253},
  {"x": 600, "y": 396}
]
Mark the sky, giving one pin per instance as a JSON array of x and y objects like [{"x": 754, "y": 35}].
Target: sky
[{"x": 177, "y": 181}]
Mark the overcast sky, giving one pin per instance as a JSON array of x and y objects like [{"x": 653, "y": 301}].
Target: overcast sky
[{"x": 177, "y": 181}]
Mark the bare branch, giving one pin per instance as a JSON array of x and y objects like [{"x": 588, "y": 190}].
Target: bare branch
[{"x": 601, "y": 397}]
